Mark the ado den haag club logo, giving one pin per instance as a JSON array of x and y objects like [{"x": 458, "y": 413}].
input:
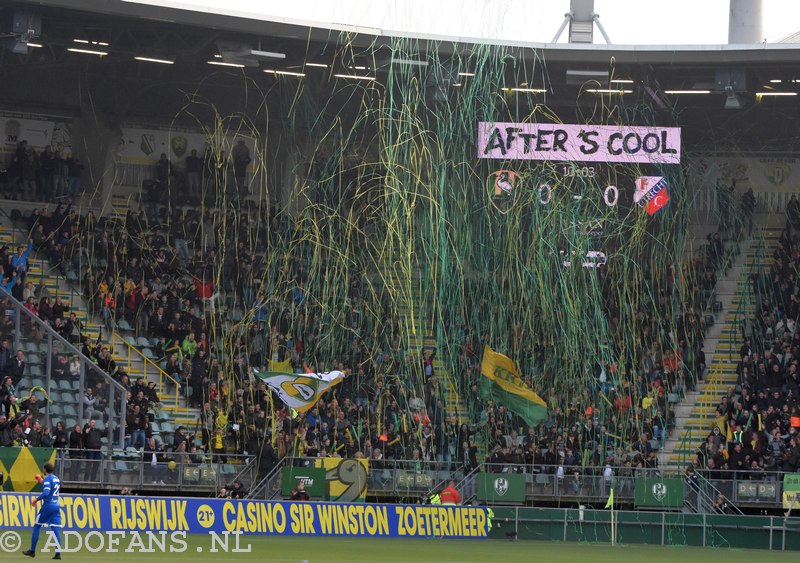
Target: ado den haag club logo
[
  {"x": 303, "y": 387},
  {"x": 501, "y": 486},
  {"x": 503, "y": 187},
  {"x": 659, "y": 491}
]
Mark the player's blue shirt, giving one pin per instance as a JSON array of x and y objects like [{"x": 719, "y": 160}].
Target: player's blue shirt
[{"x": 51, "y": 488}]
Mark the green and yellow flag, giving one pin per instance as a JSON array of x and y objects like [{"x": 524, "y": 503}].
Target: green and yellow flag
[
  {"x": 610, "y": 501},
  {"x": 501, "y": 383}
]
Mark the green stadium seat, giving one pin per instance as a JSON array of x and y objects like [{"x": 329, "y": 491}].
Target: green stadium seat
[
  {"x": 30, "y": 347},
  {"x": 64, "y": 385},
  {"x": 55, "y": 396},
  {"x": 143, "y": 342},
  {"x": 124, "y": 326},
  {"x": 37, "y": 381},
  {"x": 44, "y": 348},
  {"x": 130, "y": 340},
  {"x": 34, "y": 359},
  {"x": 36, "y": 371},
  {"x": 70, "y": 411},
  {"x": 148, "y": 353}
]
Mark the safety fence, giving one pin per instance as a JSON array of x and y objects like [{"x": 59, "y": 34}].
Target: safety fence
[
  {"x": 137, "y": 470},
  {"x": 642, "y": 527}
]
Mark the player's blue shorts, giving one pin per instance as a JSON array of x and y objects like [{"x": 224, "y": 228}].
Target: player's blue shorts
[{"x": 49, "y": 515}]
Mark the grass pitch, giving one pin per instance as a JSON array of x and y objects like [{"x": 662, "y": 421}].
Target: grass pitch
[{"x": 341, "y": 550}]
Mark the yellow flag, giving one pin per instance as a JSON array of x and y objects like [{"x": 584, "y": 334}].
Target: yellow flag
[
  {"x": 510, "y": 381},
  {"x": 610, "y": 501},
  {"x": 281, "y": 367},
  {"x": 501, "y": 382}
]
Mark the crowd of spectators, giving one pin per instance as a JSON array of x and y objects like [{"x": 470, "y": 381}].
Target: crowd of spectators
[
  {"x": 757, "y": 424},
  {"x": 185, "y": 279},
  {"x": 46, "y": 175}
]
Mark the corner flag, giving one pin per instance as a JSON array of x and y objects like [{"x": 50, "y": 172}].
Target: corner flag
[{"x": 610, "y": 501}]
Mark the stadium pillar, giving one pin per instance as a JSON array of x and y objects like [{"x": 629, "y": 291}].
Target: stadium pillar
[{"x": 745, "y": 22}]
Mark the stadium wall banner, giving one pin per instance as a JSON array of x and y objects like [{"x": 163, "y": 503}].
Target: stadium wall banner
[
  {"x": 347, "y": 478},
  {"x": 658, "y": 493},
  {"x": 754, "y": 490},
  {"x": 501, "y": 488},
  {"x": 38, "y": 130},
  {"x": 140, "y": 145},
  {"x": 414, "y": 480},
  {"x": 312, "y": 477},
  {"x": 763, "y": 173},
  {"x": 579, "y": 143},
  {"x": 199, "y": 516},
  {"x": 19, "y": 465},
  {"x": 791, "y": 490}
]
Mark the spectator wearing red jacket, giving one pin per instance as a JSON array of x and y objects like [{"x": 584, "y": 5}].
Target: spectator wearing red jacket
[{"x": 449, "y": 494}]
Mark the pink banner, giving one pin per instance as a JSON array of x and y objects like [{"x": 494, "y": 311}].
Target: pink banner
[{"x": 579, "y": 143}]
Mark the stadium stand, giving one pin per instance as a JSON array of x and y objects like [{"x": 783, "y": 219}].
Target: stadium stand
[{"x": 147, "y": 281}]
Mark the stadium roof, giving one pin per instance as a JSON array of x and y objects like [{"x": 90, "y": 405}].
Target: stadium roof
[{"x": 192, "y": 38}]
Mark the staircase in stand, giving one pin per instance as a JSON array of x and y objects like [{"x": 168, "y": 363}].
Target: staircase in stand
[
  {"x": 174, "y": 411},
  {"x": 418, "y": 341},
  {"x": 695, "y": 415}
]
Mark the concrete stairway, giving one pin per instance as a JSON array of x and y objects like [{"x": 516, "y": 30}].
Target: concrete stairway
[
  {"x": 696, "y": 413},
  {"x": 128, "y": 357},
  {"x": 419, "y": 340}
]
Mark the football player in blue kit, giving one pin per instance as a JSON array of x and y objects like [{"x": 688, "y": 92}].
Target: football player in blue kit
[{"x": 50, "y": 511}]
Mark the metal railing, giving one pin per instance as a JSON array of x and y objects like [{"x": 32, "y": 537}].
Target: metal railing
[
  {"x": 62, "y": 399},
  {"x": 545, "y": 483},
  {"x": 269, "y": 486},
  {"x": 701, "y": 497},
  {"x": 75, "y": 297},
  {"x": 149, "y": 367},
  {"x": 134, "y": 471}
]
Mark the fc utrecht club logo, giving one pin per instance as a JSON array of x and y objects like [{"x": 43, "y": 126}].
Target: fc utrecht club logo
[
  {"x": 148, "y": 143},
  {"x": 503, "y": 187},
  {"x": 651, "y": 193},
  {"x": 501, "y": 486},
  {"x": 659, "y": 491}
]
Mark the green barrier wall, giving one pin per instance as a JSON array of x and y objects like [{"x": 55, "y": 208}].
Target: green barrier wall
[
  {"x": 501, "y": 488},
  {"x": 662, "y": 528},
  {"x": 313, "y": 477}
]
